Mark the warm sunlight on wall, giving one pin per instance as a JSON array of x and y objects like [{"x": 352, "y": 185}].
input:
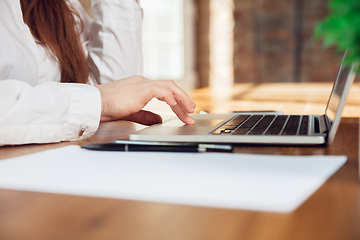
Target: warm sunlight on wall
[{"x": 221, "y": 46}]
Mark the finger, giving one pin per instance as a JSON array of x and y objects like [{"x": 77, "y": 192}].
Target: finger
[
  {"x": 164, "y": 94},
  {"x": 144, "y": 117},
  {"x": 182, "y": 115},
  {"x": 180, "y": 95}
]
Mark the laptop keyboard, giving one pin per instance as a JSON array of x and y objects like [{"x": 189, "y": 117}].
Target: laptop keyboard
[{"x": 265, "y": 125}]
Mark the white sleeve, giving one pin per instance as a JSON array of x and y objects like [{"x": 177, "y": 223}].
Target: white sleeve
[
  {"x": 48, "y": 112},
  {"x": 113, "y": 39}
]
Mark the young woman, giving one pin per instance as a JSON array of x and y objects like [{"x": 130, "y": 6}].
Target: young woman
[{"x": 61, "y": 72}]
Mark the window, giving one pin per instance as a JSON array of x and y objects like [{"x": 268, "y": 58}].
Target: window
[{"x": 168, "y": 41}]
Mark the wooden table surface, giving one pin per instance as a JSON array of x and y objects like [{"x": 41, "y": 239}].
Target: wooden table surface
[{"x": 332, "y": 212}]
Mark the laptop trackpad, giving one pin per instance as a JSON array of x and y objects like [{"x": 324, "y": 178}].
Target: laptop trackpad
[
  {"x": 175, "y": 122},
  {"x": 208, "y": 122}
]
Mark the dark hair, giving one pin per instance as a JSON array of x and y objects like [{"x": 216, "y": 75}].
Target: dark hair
[{"x": 53, "y": 25}]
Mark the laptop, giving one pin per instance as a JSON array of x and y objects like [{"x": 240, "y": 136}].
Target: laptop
[{"x": 257, "y": 128}]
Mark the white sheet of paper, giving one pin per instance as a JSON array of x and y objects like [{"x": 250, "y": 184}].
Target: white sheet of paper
[{"x": 224, "y": 180}]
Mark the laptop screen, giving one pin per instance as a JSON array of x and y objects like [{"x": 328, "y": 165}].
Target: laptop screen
[
  {"x": 337, "y": 92},
  {"x": 337, "y": 100}
]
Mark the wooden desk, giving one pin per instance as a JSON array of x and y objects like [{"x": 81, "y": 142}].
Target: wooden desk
[{"x": 332, "y": 212}]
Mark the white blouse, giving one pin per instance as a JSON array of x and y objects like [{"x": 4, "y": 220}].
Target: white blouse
[{"x": 34, "y": 106}]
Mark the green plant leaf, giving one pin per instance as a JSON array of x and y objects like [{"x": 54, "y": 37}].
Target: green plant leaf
[{"x": 341, "y": 28}]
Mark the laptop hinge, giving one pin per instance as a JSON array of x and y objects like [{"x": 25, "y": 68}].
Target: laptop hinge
[{"x": 325, "y": 124}]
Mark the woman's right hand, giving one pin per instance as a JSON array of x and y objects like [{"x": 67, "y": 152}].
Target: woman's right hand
[{"x": 124, "y": 99}]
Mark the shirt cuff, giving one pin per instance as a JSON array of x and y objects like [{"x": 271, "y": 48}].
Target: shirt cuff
[{"x": 84, "y": 112}]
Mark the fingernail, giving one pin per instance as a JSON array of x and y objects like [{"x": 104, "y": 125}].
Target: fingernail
[
  {"x": 192, "y": 121},
  {"x": 194, "y": 104}
]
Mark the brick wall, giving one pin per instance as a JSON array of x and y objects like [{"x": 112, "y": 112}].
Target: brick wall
[
  {"x": 273, "y": 42},
  {"x": 202, "y": 42}
]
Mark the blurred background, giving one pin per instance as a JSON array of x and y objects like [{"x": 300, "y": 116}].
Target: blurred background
[{"x": 201, "y": 43}]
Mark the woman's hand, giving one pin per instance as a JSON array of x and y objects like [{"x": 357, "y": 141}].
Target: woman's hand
[{"x": 124, "y": 99}]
